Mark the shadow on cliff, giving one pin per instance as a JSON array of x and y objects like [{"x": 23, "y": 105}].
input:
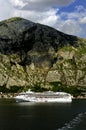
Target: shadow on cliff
[{"x": 39, "y": 38}]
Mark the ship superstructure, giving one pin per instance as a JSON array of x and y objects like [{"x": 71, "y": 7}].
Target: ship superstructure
[{"x": 49, "y": 96}]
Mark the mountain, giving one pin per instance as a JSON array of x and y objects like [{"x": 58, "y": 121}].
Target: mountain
[{"x": 33, "y": 54}]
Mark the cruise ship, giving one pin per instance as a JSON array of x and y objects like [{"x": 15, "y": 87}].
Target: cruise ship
[{"x": 50, "y": 96}]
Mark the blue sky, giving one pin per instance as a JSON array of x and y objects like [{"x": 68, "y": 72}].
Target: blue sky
[
  {"x": 68, "y": 16},
  {"x": 72, "y": 6}
]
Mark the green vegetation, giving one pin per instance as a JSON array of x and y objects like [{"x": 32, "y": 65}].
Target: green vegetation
[
  {"x": 3, "y": 89},
  {"x": 12, "y": 19},
  {"x": 4, "y": 23},
  {"x": 68, "y": 48},
  {"x": 58, "y": 86},
  {"x": 38, "y": 88},
  {"x": 36, "y": 55},
  {"x": 13, "y": 89},
  {"x": 82, "y": 50}
]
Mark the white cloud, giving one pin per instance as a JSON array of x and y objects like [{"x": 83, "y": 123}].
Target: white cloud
[
  {"x": 41, "y": 11},
  {"x": 83, "y": 20},
  {"x": 38, "y": 4},
  {"x": 52, "y": 18},
  {"x": 5, "y": 9},
  {"x": 70, "y": 27},
  {"x": 48, "y": 18},
  {"x": 18, "y": 3},
  {"x": 73, "y": 23}
]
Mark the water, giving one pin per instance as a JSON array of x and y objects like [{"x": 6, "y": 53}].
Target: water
[{"x": 44, "y": 116}]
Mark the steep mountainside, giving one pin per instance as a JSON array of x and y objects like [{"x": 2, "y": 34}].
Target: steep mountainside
[{"x": 32, "y": 54}]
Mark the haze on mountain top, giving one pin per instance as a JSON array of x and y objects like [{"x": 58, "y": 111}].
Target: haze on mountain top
[{"x": 68, "y": 16}]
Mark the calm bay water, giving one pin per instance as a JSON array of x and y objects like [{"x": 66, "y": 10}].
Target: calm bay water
[{"x": 44, "y": 116}]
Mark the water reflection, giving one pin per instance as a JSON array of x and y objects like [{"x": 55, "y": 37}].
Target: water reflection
[{"x": 40, "y": 116}]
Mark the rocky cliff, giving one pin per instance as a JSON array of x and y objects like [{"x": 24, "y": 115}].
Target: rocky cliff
[{"x": 31, "y": 54}]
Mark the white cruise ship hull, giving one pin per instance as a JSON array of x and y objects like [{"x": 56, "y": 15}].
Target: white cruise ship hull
[{"x": 58, "y": 97}]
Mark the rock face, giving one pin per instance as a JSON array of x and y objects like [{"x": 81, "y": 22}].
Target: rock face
[{"x": 31, "y": 53}]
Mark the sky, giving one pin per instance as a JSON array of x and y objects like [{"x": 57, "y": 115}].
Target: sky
[{"x": 68, "y": 16}]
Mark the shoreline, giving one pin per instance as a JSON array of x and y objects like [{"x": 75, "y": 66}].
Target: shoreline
[
  {"x": 7, "y": 95},
  {"x": 80, "y": 97},
  {"x": 12, "y": 95}
]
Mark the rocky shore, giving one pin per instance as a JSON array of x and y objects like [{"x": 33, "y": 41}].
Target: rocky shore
[
  {"x": 80, "y": 97},
  {"x": 8, "y": 95},
  {"x": 12, "y": 95}
]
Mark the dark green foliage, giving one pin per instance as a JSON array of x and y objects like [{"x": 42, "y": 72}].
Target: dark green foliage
[
  {"x": 38, "y": 88},
  {"x": 58, "y": 86},
  {"x": 3, "y": 89},
  {"x": 13, "y": 89}
]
